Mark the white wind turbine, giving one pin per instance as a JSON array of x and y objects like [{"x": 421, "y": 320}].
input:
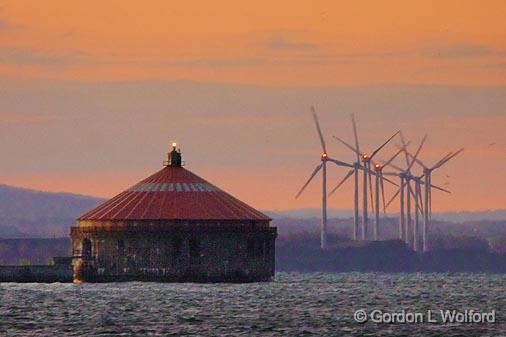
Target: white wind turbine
[
  {"x": 405, "y": 197},
  {"x": 356, "y": 167},
  {"x": 366, "y": 167},
  {"x": 323, "y": 166},
  {"x": 411, "y": 236},
  {"x": 408, "y": 232},
  {"x": 427, "y": 174},
  {"x": 379, "y": 185}
]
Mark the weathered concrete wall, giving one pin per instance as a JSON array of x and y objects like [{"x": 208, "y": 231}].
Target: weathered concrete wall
[
  {"x": 36, "y": 273},
  {"x": 179, "y": 254}
]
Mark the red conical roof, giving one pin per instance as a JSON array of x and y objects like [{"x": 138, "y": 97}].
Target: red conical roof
[{"x": 174, "y": 193}]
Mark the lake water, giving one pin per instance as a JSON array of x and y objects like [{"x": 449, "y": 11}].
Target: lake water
[{"x": 292, "y": 305}]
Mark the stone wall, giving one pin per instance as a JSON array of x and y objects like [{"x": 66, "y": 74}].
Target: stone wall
[{"x": 178, "y": 253}]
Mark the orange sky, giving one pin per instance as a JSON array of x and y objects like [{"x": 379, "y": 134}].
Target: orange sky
[
  {"x": 281, "y": 43},
  {"x": 92, "y": 92}
]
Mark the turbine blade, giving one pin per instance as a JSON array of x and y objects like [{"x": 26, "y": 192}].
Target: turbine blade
[
  {"x": 404, "y": 146},
  {"x": 315, "y": 117},
  {"x": 440, "y": 188},
  {"x": 403, "y": 140},
  {"x": 420, "y": 198},
  {"x": 339, "y": 163},
  {"x": 395, "y": 167},
  {"x": 383, "y": 145},
  {"x": 317, "y": 168},
  {"x": 355, "y": 134},
  {"x": 361, "y": 167},
  {"x": 442, "y": 159},
  {"x": 410, "y": 190},
  {"x": 348, "y": 146},
  {"x": 390, "y": 174},
  {"x": 388, "y": 180},
  {"x": 349, "y": 174},
  {"x": 418, "y": 161},
  {"x": 417, "y": 153},
  {"x": 394, "y": 196},
  {"x": 393, "y": 157},
  {"x": 442, "y": 162}
]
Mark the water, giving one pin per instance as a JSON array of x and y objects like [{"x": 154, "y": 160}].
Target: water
[{"x": 292, "y": 305}]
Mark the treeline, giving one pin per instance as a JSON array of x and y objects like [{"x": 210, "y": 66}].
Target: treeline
[
  {"x": 301, "y": 252},
  {"x": 32, "y": 251},
  {"x": 484, "y": 235}
]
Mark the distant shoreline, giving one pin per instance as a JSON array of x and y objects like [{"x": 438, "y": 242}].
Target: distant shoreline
[{"x": 297, "y": 255}]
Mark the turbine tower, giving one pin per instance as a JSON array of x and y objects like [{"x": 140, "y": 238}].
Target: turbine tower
[{"x": 323, "y": 166}]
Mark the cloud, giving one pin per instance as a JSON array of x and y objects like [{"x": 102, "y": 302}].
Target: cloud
[
  {"x": 213, "y": 63},
  {"x": 448, "y": 52},
  {"x": 462, "y": 51},
  {"x": 184, "y": 63},
  {"x": 284, "y": 43},
  {"x": 20, "y": 56}
]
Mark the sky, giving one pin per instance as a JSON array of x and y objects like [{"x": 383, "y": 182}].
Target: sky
[{"x": 93, "y": 93}]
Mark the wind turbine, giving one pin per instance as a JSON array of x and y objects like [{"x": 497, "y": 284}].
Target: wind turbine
[
  {"x": 412, "y": 237},
  {"x": 406, "y": 177},
  {"x": 366, "y": 167},
  {"x": 409, "y": 233},
  {"x": 323, "y": 166},
  {"x": 405, "y": 197},
  {"x": 354, "y": 171},
  {"x": 379, "y": 184},
  {"x": 427, "y": 173}
]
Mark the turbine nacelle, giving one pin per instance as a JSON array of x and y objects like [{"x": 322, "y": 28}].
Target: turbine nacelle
[{"x": 324, "y": 156}]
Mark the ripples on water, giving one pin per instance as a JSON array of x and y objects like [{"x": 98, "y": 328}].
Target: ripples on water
[{"x": 292, "y": 305}]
